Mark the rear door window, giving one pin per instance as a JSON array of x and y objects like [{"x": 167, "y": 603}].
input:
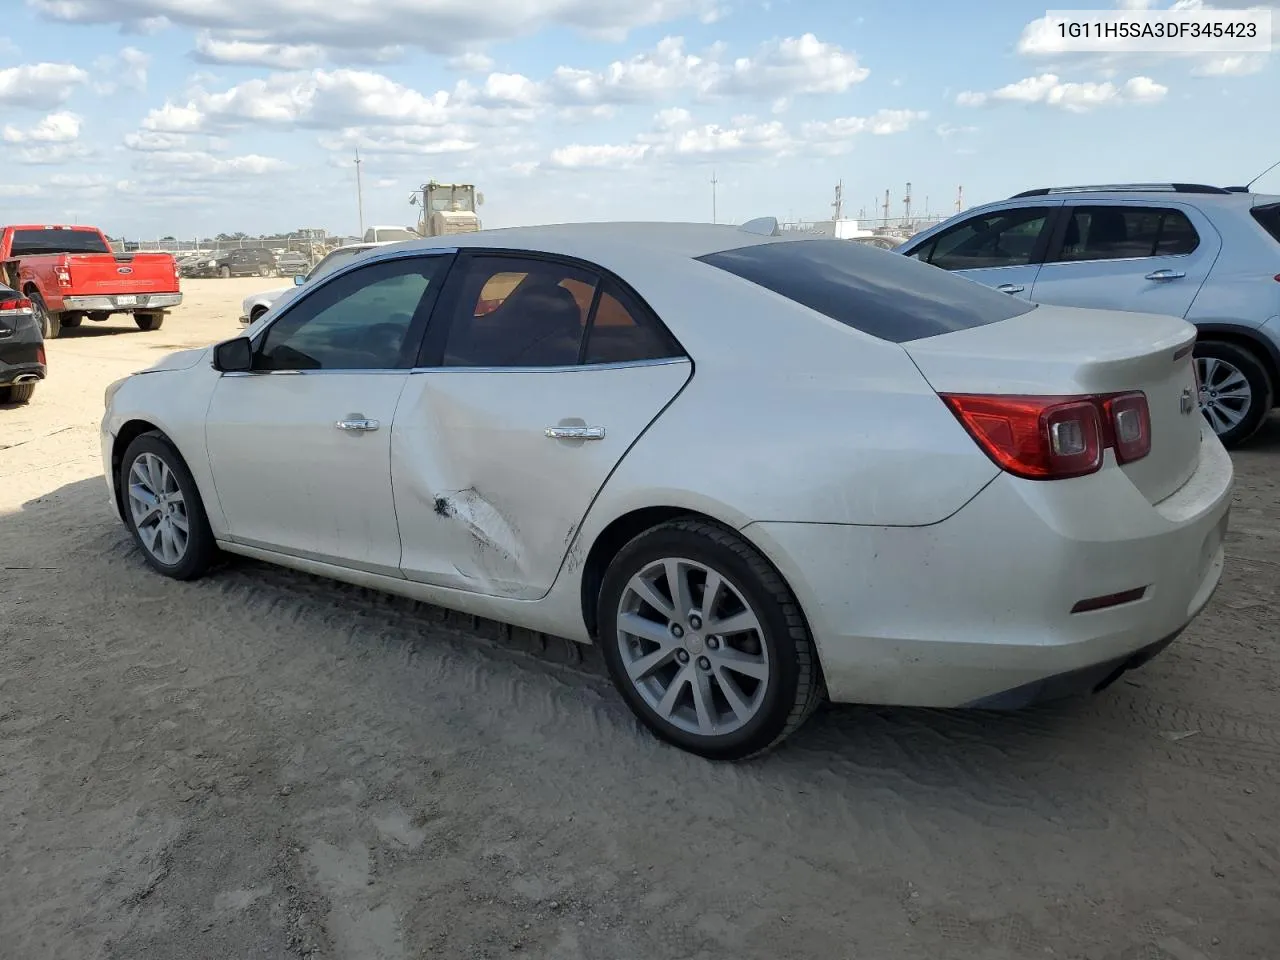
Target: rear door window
[
  {"x": 1110, "y": 232},
  {"x": 884, "y": 294}
]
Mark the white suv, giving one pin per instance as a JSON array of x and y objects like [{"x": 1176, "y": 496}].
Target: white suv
[{"x": 1207, "y": 254}]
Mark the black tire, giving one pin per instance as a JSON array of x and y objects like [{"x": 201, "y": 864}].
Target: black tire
[
  {"x": 50, "y": 323},
  {"x": 71, "y": 321},
  {"x": 256, "y": 314},
  {"x": 148, "y": 321},
  {"x": 17, "y": 392},
  {"x": 794, "y": 685},
  {"x": 224, "y": 272},
  {"x": 201, "y": 550},
  {"x": 1261, "y": 389}
]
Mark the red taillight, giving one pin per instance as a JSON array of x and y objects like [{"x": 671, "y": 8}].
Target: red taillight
[
  {"x": 1129, "y": 418},
  {"x": 1054, "y": 438},
  {"x": 40, "y": 358},
  {"x": 20, "y": 305},
  {"x": 64, "y": 276}
]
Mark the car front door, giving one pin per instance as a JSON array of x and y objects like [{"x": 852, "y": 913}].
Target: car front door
[
  {"x": 999, "y": 248},
  {"x": 300, "y": 446},
  {"x": 1142, "y": 257},
  {"x": 537, "y": 375}
]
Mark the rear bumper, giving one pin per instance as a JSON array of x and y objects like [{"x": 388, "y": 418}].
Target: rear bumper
[
  {"x": 977, "y": 609},
  {"x": 11, "y": 373},
  {"x": 118, "y": 302}
]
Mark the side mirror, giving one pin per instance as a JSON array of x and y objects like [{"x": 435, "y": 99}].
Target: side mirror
[
  {"x": 299, "y": 280},
  {"x": 233, "y": 356}
]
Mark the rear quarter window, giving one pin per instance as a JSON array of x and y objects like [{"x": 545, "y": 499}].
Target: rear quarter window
[
  {"x": 884, "y": 294},
  {"x": 1269, "y": 217}
]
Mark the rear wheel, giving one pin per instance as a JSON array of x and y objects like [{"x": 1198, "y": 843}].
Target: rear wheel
[
  {"x": 17, "y": 392},
  {"x": 163, "y": 510},
  {"x": 1235, "y": 390},
  {"x": 50, "y": 323},
  {"x": 264, "y": 271},
  {"x": 224, "y": 272},
  {"x": 705, "y": 641},
  {"x": 70, "y": 321},
  {"x": 148, "y": 321}
]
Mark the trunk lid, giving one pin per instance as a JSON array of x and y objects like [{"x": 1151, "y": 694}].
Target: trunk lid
[
  {"x": 105, "y": 274},
  {"x": 1065, "y": 351}
]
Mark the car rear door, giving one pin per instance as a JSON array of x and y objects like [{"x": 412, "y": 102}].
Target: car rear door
[
  {"x": 1140, "y": 256},
  {"x": 537, "y": 375},
  {"x": 1001, "y": 247}
]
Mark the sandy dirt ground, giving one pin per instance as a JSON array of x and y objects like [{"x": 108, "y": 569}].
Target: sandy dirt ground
[{"x": 267, "y": 765}]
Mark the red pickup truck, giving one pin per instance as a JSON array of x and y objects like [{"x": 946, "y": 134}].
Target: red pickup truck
[{"x": 69, "y": 273}]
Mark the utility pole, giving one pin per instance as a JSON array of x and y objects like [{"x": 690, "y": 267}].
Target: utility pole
[
  {"x": 838, "y": 206},
  {"x": 886, "y": 208},
  {"x": 714, "y": 181},
  {"x": 906, "y": 204},
  {"x": 359, "y": 193}
]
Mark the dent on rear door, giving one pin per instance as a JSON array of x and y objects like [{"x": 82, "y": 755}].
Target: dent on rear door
[{"x": 485, "y": 500}]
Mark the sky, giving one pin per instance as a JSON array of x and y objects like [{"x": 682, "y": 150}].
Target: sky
[{"x": 194, "y": 117}]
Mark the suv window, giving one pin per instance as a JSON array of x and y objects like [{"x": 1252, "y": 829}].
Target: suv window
[
  {"x": 513, "y": 312},
  {"x": 1269, "y": 217},
  {"x": 878, "y": 292},
  {"x": 1125, "y": 233},
  {"x": 360, "y": 321},
  {"x": 1004, "y": 238}
]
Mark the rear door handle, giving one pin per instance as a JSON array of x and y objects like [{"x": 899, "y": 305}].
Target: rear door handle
[
  {"x": 1011, "y": 288},
  {"x": 357, "y": 425},
  {"x": 575, "y": 433},
  {"x": 1166, "y": 275}
]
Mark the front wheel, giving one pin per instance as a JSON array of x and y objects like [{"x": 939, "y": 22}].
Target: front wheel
[
  {"x": 224, "y": 272},
  {"x": 1235, "y": 390},
  {"x": 705, "y": 641},
  {"x": 163, "y": 509}
]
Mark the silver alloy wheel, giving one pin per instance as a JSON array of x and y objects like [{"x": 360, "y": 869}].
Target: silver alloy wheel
[
  {"x": 693, "y": 647},
  {"x": 1225, "y": 395},
  {"x": 159, "y": 510}
]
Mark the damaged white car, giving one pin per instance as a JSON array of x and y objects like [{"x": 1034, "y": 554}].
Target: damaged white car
[{"x": 759, "y": 471}]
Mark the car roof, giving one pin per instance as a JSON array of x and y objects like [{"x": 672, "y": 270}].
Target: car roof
[{"x": 601, "y": 242}]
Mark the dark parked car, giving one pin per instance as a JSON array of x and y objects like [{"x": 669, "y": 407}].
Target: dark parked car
[
  {"x": 245, "y": 262},
  {"x": 22, "y": 361}
]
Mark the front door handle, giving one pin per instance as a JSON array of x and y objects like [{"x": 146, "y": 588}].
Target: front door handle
[
  {"x": 357, "y": 425},
  {"x": 1011, "y": 288},
  {"x": 1166, "y": 275},
  {"x": 575, "y": 433}
]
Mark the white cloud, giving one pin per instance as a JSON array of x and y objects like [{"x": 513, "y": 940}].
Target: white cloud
[
  {"x": 437, "y": 26},
  {"x": 249, "y": 53},
  {"x": 948, "y": 130},
  {"x": 407, "y": 140},
  {"x": 198, "y": 165},
  {"x": 1240, "y": 65},
  {"x": 60, "y": 127},
  {"x": 1049, "y": 89},
  {"x": 151, "y": 140},
  {"x": 881, "y": 123},
  {"x": 779, "y": 69},
  {"x": 471, "y": 62},
  {"x": 603, "y": 155},
  {"x": 15, "y": 190},
  {"x": 41, "y": 86}
]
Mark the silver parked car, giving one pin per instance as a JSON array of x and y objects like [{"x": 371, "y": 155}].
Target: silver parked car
[{"x": 1207, "y": 254}]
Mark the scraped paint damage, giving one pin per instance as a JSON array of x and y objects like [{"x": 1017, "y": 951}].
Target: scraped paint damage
[{"x": 486, "y": 525}]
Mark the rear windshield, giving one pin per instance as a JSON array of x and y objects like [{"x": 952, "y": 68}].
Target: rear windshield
[
  {"x": 58, "y": 240},
  {"x": 393, "y": 233},
  {"x": 884, "y": 294},
  {"x": 1269, "y": 217}
]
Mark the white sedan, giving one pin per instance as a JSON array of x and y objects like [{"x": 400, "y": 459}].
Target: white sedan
[{"x": 757, "y": 471}]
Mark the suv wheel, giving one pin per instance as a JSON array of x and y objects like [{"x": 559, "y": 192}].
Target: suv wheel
[{"x": 1235, "y": 390}]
